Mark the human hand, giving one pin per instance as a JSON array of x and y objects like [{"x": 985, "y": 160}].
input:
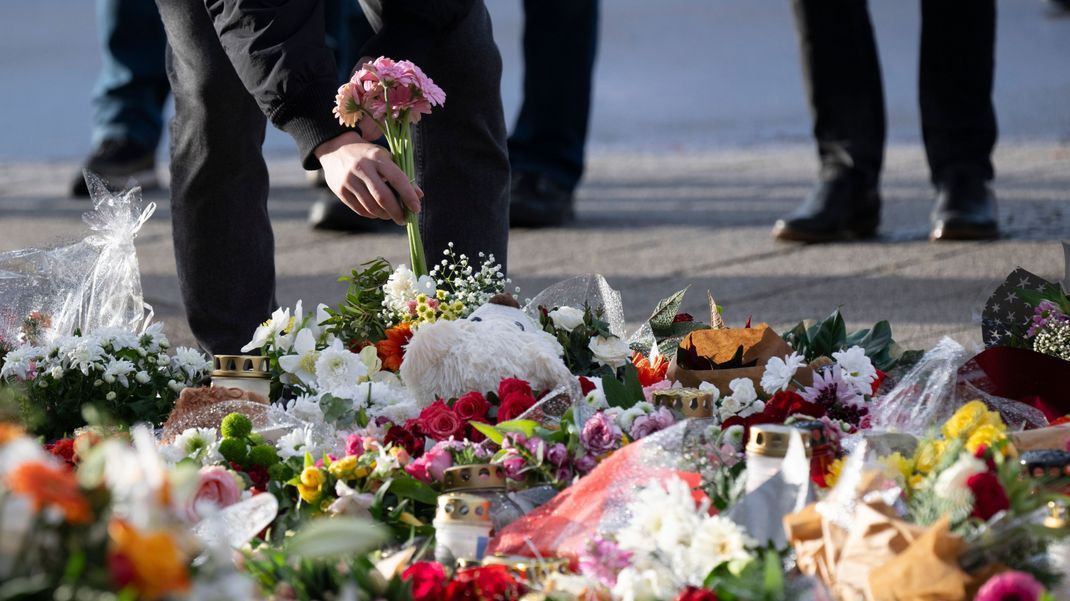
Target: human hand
[{"x": 365, "y": 178}]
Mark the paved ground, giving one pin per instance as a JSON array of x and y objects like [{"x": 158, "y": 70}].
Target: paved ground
[{"x": 673, "y": 197}]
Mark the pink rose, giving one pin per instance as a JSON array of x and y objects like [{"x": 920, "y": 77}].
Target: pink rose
[
  {"x": 218, "y": 488},
  {"x": 600, "y": 434},
  {"x": 354, "y": 445},
  {"x": 645, "y": 425},
  {"x": 432, "y": 465}
]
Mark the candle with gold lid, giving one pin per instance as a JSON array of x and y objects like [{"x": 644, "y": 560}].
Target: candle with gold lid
[
  {"x": 250, "y": 373},
  {"x": 688, "y": 402},
  {"x": 766, "y": 449},
  {"x": 462, "y": 527},
  {"x": 487, "y": 481}
]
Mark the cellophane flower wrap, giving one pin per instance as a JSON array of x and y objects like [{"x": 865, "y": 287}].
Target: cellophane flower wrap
[{"x": 391, "y": 96}]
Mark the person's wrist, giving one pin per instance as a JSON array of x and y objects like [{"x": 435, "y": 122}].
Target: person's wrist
[{"x": 337, "y": 142}]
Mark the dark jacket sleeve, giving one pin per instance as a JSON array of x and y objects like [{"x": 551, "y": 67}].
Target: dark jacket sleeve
[
  {"x": 411, "y": 28},
  {"x": 278, "y": 49}
]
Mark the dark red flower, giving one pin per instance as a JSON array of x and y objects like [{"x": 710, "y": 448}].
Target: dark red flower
[
  {"x": 693, "y": 593},
  {"x": 511, "y": 385},
  {"x": 439, "y": 422},
  {"x": 983, "y": 452},
  {"x": 428, "y": 580},
  {"x": 514, "y": 404},
  {"x": 472, "y": 406},
  {"x": 586, "y": 386},
  {"x": 989, "y": 498},
  {"x": 485, "y": 583},
  {"x": 682, "y": 318},
  {"x": 406, "y": 439},
  {"x": 786, "y": 403},
  {"x": 878, "y": 381},
  {"x": 63, "y": 449},
  {"x": 258, "y": 476}
]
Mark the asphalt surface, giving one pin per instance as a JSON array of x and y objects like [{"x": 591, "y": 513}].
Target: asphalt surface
[{"x": 680, "y": 194}]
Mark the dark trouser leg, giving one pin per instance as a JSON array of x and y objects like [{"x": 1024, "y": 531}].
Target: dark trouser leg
[
  {"x": 461, "y": 160},
  {"x": 958, "y": 39},
  {"x": 224, "y": 246},
  {"x": 560, "y": 43},
  {"x": 132, "y": 88},
  {"x": 843, "y": 81}
]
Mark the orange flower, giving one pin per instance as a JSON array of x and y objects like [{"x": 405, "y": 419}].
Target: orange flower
[
  {"x": 650, "y": 374},
  {"x": 153, "y": 564},
  {"x": 46, "y": 485},
  {"x": 9, "y": 432},
  {"x": 392, "y": 348}
]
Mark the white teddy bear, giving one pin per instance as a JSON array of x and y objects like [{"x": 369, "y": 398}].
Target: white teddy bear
[{"x": 447, "y": 359}]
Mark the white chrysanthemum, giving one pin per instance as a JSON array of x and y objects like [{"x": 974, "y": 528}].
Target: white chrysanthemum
[
  {"x": 663, "y": 516},
  {"x": 153, "y": 339},
  {"x": 118, "y": 369},
  {"x": 856, "y": 368},
  {"x": 118, "y": 338},
  {"x": 715, "y": 541},
  {"x": 390, "y": 401},
  {"x": 191, "y": 362},
  {"x": 86, "y": 355},
  {"x": 338, "y": 370},
  {"x": 295, "y": 443},
  {"x": 596, "y": 399},
  {"x": 650, "y": 584},
  {"x": 201, "y": 444},
  {"x": 306, "y": 408},
  {"x": 779, "y": 372},
  {"x": 17, "y": 362},
  {"x": 628, "y": 417},
  {"x": 302, "y": 363}
]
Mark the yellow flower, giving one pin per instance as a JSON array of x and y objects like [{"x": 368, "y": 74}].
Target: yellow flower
[
  {"x": 157, "y": 563},
  {"x": 833, "y": 474},
  {"x": 421, "y": 299},
  {"x": 969, "y": 417},
  {"x": 311, "y": 484},
  {"x": 928, "y": 455},
  {"x": 986, "y": 435},
  {"x": 898, "y": 466},
  {"x": 344, "y": 467},
  {"x": 440, "y": 295}
]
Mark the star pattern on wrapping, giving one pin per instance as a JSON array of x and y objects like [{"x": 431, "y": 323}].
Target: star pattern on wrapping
[{"x": 1009, "y": 318}]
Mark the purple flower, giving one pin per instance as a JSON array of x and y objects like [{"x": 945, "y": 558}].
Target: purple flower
[
  {"x": 535, "y": 446},
  {"x": 600, "y": 434},
  {"x": 1011, "y": 586},
  {"x": 557, "y": 455},
  {"x": 1046, "y": 313},
  {"x": 645, "y": 425},
  {"x": 602, "y": 560},
  {"x": 831, "y": 389},
  {"x": 514, "y": 465},
  {"x": 585, "y": 463},
  {"x": 563, "y": 474}
]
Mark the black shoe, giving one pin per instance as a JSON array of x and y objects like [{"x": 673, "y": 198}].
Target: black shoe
[
  {"x": 844, "y": 206},
  {"x": 331, "y": 214},
  {"x": 538, "y": 202},
  {"x": 117, "y": 161},
  {"x": 965, "y": 207}
]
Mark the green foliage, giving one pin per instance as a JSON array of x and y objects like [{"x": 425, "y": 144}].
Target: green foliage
[
  {"x": 359, "y": 316},
  {"x": 825, "y": 337},
  {"x": 623, "y": 388},
  {"x": 669, "y": 333},
  {"x": 578, "y": 355},
  {"x": 760, "y": 579},
  {"x": 236, "y": 425}
]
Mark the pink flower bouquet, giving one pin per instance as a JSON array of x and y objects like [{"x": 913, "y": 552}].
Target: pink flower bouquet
[{"x": 387, "y": 96}]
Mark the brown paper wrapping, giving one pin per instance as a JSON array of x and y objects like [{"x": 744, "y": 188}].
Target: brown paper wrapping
[
  {"x": 1052, "y": 437},
  {"x": 759, "y": 343}
]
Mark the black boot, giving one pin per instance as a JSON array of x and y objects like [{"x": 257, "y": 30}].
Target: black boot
[
  {"x": 331, "y": 214},
  {"x": 535, "y": 201},
  {"x": 965, "y": 207},
  {"x": 117, "y": 161},
  {"x": 844, "y": 206}
]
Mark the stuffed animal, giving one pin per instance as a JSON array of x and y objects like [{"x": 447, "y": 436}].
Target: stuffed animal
[{"x": 446, "y": 359}]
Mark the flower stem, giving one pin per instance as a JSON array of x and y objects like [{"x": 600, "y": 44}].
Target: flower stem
[{"x": 399, "y": 137}]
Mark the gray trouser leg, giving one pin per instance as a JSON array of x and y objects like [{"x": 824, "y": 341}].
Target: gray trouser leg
[{"x": 224, "y": 246}]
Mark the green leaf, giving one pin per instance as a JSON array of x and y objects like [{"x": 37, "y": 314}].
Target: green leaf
[
  {"x": 827, "y": 336},
  {"x": 664, "y": 313},
  {"x": 336, "y": 537},
  {"x": 523, "y": 426},
  {"x": 489, "y": 431},
  {"x": 411, "y": 488}
]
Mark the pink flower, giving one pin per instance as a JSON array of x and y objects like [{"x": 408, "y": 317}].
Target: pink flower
[
  {"x": 431, "y": 466},
  {"x": 218, "y": 488},
  {"x": 600, "y": 434},
  {"x": 648, "y": 391},
  {"x": 514, "y": 466},
  {"x": 645, "y": 425},
  {"x": 354, "y": 445},
  {"x": 602, "y": 560},
  {"x": 1011, "y": 586},
  {"x": 557, "y": 455},
  {"x": 585, "y": 463}
]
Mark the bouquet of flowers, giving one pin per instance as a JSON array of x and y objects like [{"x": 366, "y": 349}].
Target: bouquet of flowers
[{"x": 391, "y": 96}]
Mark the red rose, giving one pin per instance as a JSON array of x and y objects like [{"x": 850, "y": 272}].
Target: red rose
[
  {"x": 440, "y": 422},
  {"x": 692, "y": 593},
  {"x": 683, "y": 318},
  {"x": 786, "y": 403},
  {"x": 510, "y": 385},
  {"x": 485, "y": 583},
  {"x": 989, "y": 498},
  {"x": 878, "y": 381},
  {"x": 586, "y": 386},
  {"x": 406, "y": 439},
  {"x": 63, "y": 449},
  {"x": 472, "y": 407},
  {"x": 513, "y": 405},
  {"x": 428, "y": 580}
]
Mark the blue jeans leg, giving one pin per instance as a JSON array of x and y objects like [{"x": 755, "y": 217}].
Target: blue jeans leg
[
  {"x": 132, "y": 88},
  {"x": 560, "y": 43}
]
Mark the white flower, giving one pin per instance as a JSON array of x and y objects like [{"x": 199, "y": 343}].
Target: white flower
[
  {"x": 856, "y": 368},
  {"x": 728, "y": 408},
  {"x": 733, "y": 435},
  {"x": 716, "y": 541},
  {"x": 118, "y": 369},
  {"x": 628, "y": 417},
  {"x": 17, "y": 362},
  {"x": 118, "y": 338},
  {"x": 306, "y": 408},
  {"x": 567, "y": 318},
  {"x": 142, "y": 377},
  {"x": 275, "y": 325},
  {"x": 295, "y": 443},
  {"x": 338, "y": 370},
  {"x": 779, "y": 372},
  {"x": 743, "y": 391},
  {"x": 712, "y": 389},
  {"x": 613, "y": 351},
  {"x": 152, "y": 339},
  {"x": 86, "y": 355},
  {"x": 351, "y": 502},
  {"x": 303, "y": 362},
  {"x": 200, "y": 444},
  {"x": 56, "y": 373},
  {"x": 191, "y": 362},
  {"x": 951, "y": 483},
  {"x": 163, "y": 359},
  {"x": 403, "y": 286},
  {"x": 284, "y": 341},
  {"x": 596, "y": 399},
  {"x": 634, "y": 584}
]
